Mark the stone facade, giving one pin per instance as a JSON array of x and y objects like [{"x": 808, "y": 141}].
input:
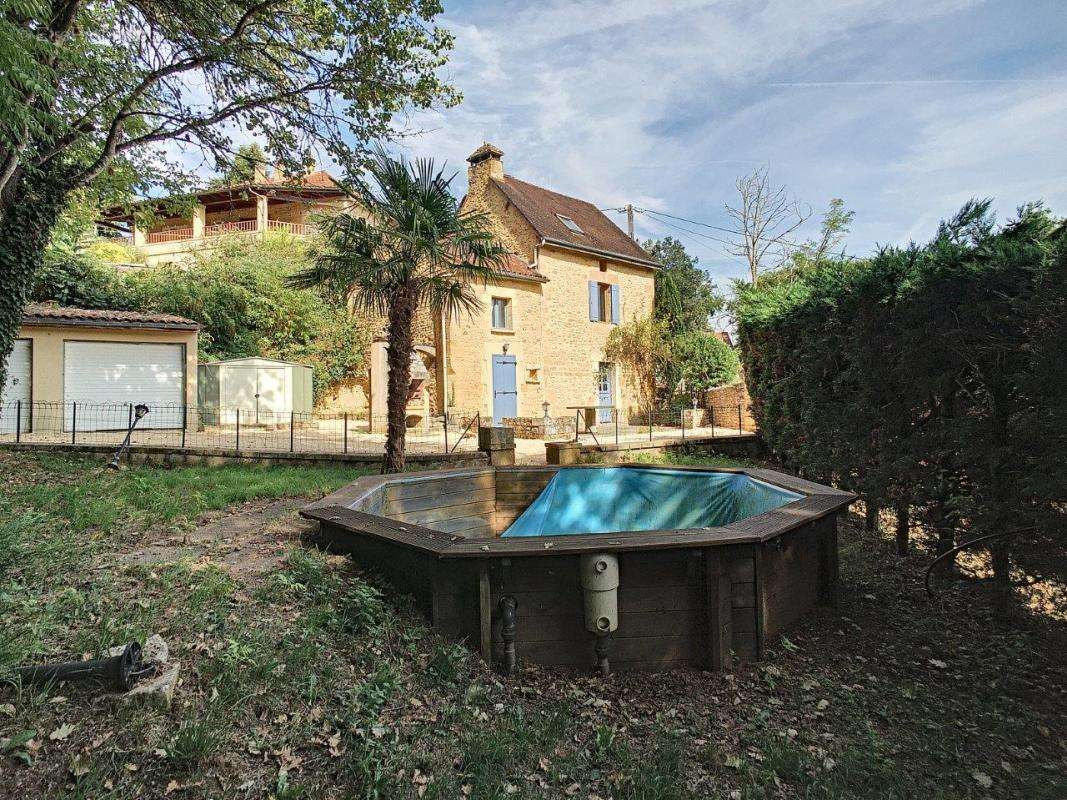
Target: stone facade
[{"x": 557, "y": 348}]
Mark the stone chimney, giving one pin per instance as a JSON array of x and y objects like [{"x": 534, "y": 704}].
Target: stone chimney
[{"x": 486, "y": 163}]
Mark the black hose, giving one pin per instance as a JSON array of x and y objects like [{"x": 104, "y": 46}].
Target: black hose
[
  {"x": 117, "y": 672},
  {"x": 964, "y": 546}
]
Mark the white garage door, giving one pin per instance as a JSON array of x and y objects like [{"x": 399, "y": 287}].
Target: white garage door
[
  {"x": 16, "y": 388},
  {"x": 106, "y": 378}
]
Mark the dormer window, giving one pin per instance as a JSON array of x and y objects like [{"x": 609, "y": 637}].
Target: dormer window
[{"x": 571, "y": 224}]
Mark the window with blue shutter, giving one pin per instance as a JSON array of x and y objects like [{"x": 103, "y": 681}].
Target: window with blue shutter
[
  {"x": 594, "y": 301},
  {"x": 616, "y": 304}
]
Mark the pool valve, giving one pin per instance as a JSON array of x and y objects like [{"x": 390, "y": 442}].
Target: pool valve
[{"x": 600, "y": 584}]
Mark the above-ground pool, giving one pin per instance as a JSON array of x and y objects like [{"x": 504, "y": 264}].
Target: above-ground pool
[
  {"x": 612, "y": 499},
  {"x": 643, "y": 567}
]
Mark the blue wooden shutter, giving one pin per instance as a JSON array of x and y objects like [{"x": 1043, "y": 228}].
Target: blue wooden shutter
[
  {"x": 594, "y": 301},
  {"x": 616, "y": 304}
]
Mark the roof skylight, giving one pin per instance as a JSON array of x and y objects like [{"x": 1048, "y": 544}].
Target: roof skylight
[{"x": 571, "y": 224}]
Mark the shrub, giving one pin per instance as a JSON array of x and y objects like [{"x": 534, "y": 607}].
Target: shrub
[
  {"x": 703, "y": 361},
  {"x": 928, "y": 377}
]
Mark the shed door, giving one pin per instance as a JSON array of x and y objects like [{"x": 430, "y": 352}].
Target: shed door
[
  {"x": 270, "y": 394},
  {"x": 106, "y": 378},
  {"x": 16, "y": 388},
  {"x": 505, "y": 389}
]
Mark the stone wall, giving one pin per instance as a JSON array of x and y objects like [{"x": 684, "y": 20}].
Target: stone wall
[
  {"x": 733, "y": 395},
  {"x": 534, "y": 427}
]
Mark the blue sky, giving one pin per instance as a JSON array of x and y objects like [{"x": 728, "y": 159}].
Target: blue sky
[{"x": 905, "y": 109}]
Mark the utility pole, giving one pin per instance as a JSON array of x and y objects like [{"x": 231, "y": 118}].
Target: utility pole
[{"x": 630, "y": 219}]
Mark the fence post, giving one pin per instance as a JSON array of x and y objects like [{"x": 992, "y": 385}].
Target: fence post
[
  {"x": 346, "y": 434},
  {"x": 238, "y": 430},
  {"x": 185, "y": 423},
  {"x": 740, "y": 429},
  {"x": 577, "y": 414},
  {"x": 292, "y": 418},
  {"x": 18, "y": 421},
  {"x": 616, "y": 427},
  {"x": 129, "y": 420},
  {"x": 650, "y": 423},
  {"x": 712, "y": 410},
  {"x": 73, "y": 422},
  {"x": 444, "y": 418},
  {"x": 681, "y": 419}
]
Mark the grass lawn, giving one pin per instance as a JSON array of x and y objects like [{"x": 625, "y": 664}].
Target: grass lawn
[{"x": 302, "y": 679}]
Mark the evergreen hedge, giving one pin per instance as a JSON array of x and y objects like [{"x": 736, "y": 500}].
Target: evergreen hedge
[{"x": 931, "y": 379}]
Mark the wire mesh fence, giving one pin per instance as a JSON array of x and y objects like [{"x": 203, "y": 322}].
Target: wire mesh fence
[
  {"x": 605, "y": 425},
  {"x": 229, "y": 429}
]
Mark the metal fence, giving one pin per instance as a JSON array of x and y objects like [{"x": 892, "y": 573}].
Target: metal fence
[
  {"x": 605, "y": 425},
  {"x": 229, "y": 429}
]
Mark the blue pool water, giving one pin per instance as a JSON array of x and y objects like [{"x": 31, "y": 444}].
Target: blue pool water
[{"x": 606, "y": 499}]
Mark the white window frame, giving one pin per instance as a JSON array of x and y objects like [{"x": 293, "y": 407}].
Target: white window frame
[{"x": 509, "y": 320}]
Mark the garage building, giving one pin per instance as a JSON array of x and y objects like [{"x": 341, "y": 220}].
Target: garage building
[{"x": 88, "y": 367}]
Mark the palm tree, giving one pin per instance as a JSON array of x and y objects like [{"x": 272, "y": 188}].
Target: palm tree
[{"x": 414, "y": 249}]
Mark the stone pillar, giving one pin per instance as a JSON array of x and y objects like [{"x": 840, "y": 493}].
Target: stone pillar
[
  {"x": 139, "y": 239},
  {"x": 563, "y": 453},
  {"x": 499, "y": 443},
  {"x": 199, "y": 220}
]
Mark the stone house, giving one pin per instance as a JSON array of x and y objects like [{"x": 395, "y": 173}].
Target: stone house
[{"x": 537, "y": 345}]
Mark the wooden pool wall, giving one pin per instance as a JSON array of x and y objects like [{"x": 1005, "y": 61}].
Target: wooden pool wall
[{"x": 686, "y": 598}]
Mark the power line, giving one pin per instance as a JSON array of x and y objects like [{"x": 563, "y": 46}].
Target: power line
[{"x": 683, "y": 219}]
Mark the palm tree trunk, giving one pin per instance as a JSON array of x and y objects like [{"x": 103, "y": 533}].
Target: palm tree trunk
[{"x": 398, "y": 356}]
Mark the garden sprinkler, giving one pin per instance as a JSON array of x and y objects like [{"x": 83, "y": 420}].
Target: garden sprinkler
[{"x": 139, "y": 412}]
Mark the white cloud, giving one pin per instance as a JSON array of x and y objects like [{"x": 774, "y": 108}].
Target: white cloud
[{"x": 664, "y": 104}]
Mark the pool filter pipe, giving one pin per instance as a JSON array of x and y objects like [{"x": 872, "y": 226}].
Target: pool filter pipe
[
  {"x": 508, "y": 630},
  {"x": 117, "y": 672},
  {"x": 600, "y": 590}
]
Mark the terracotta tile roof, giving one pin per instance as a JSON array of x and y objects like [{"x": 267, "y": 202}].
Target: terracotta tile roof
[
  {"x": 517, "y": 267},
  {"x": 318, "y": 179},
  {"x": 542, "y": 207},
  {"x": 45, "y": 314}
]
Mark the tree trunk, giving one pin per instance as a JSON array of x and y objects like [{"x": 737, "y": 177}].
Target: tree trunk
[
  {"x": 1000, "y": 554},
  {"x": 398, "y": 356},
  {"x": 25, "y": 229},
  {"x": 903, "y": 527},
  {"x": 946, "y": 537},
  {"x": 870, "y": 519}
]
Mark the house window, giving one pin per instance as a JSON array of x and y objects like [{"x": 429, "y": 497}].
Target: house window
[
  {"x": 605, "y": 302},
  {"x": 501, "y": 314},
  {"x": 571, "y": 224}
]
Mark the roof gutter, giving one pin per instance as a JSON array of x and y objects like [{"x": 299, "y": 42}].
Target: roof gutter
[
  {"x": 565, "y": 245},
  {"x": 60, "y": 322}
]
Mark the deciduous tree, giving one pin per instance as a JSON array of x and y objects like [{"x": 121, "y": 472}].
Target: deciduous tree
[{"x": 91, "y": 86}]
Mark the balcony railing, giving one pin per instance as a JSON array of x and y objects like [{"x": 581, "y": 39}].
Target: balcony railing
[
  {"x": 223, "y": 228},
  {"x": 170, "y": 235},
  {"x": 295, "y": 228},
  {"x": 227, "y": 228}
]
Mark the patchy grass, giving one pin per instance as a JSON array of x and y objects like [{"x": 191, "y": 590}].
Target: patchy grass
[{"x": 312, "y": 680}]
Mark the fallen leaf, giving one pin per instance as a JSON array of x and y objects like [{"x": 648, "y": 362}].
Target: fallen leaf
[
  {"x": 982, "y": 779},
  {"x": 822, "y": 705},
  {"x": 61, "y": 733},
  {"x": 935, "y": 662},
  {"x": 172, "y": 786},
  {"x": 79, "y": 765}
]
